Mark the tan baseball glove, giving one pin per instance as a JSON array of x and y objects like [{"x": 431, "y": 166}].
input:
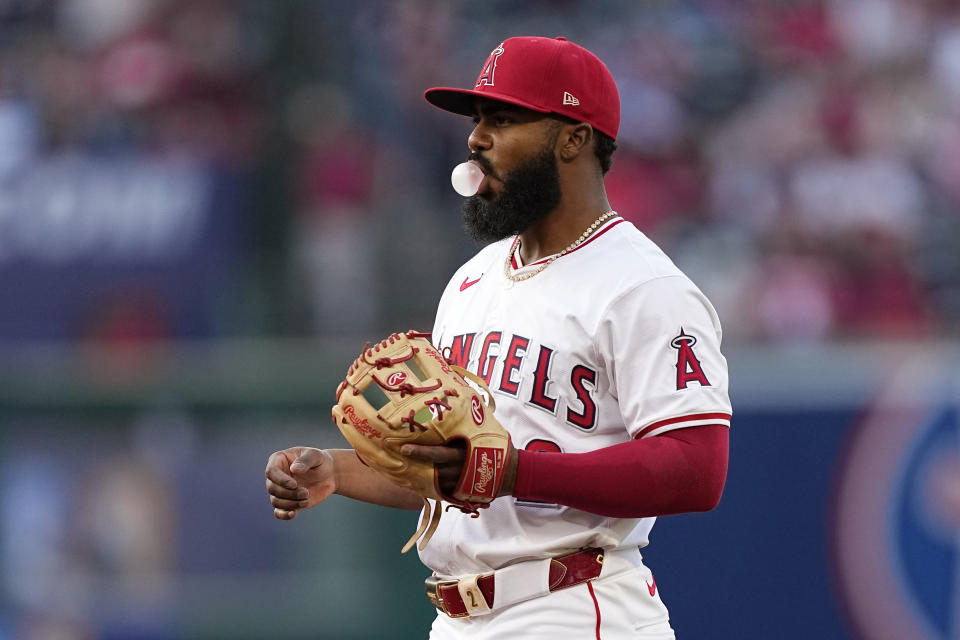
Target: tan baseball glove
[{"x": 402, "y": 390}]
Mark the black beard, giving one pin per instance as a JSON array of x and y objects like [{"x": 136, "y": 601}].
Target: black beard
[{"x": 530, "y": 192}]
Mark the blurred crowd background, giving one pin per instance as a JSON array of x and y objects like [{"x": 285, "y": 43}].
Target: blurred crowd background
[
  {"x": 801, "y": 159},
  {"x": 207, "y": 205}
]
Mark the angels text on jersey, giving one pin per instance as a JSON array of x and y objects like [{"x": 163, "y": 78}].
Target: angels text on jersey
[{"x": 516, "y": 366}]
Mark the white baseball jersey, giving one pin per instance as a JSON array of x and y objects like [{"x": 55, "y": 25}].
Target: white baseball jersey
[{"x": 608, "y": 343}]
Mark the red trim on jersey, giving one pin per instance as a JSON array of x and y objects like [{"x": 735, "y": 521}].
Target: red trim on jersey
[
  {"x": 603, "y": 230},
  {"x": 679, "y": 471},
  {"x": 513, "y": 254},
  {"x": 690, "y": 418},
  {"x": 597, "y": 235},
  {"x": 596, "y": 606}
]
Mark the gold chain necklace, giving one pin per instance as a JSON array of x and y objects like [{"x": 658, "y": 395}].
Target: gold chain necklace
[{"x": 576, "y": 243}]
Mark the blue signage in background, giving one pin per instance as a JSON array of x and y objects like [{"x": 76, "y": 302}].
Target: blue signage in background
[
  {"x": 841, "y": 516},
  {"x": 926, "y": 514},
  {"x": 115, "y": 247},
  {"x": 758, "y": 566},
  {"x": 897, "y": 513}
]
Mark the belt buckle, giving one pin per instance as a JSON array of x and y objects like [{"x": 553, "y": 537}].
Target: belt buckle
[{"x": 432, "y": 584}]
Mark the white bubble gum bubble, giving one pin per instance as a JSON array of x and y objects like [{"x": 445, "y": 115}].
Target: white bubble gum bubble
[{"x": 466, "y": 178}]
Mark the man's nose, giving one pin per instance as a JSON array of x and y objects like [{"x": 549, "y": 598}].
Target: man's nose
[{"x": 478, "y": 139}]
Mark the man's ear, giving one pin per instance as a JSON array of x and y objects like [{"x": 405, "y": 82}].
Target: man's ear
[{"x": 574, "y": 139}]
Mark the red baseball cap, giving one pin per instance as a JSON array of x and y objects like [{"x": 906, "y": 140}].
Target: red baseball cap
[{"x": 549, "y": 75}]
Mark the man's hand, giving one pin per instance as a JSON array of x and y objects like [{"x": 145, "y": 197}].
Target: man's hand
[
  {"x": 449, "y": 460},
  {"x": 299, "y": 478}
]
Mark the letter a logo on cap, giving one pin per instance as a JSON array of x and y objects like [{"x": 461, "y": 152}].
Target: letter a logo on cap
[
  {"x": 486, "y": 75},
  {"x": 569, "y": 98}
]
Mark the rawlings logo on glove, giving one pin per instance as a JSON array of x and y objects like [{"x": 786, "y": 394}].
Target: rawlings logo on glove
[{"x": 402, "y": 391}]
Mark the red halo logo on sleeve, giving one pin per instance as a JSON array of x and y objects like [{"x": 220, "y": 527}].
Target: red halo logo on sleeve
[{"x": 689, "y": 368}]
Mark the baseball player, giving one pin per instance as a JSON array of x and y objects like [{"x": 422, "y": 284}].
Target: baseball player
[{"x": 603, "y": 357}]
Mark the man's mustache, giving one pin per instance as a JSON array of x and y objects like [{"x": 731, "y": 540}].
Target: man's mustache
[{"x": 484, "y": 164}]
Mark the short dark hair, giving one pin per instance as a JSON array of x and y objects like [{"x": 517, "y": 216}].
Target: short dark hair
[
  {"x": 603, "y": 149},
  {"x": 603, "y": 146}
]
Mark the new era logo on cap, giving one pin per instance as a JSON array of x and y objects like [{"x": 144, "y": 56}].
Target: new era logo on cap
[{"x": 549, "y": 75}]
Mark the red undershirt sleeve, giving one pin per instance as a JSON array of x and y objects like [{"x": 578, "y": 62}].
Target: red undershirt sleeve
[{"x": 678, "y": 471}]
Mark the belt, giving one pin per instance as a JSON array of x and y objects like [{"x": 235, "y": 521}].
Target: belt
[{"x": 475, "y": 595}]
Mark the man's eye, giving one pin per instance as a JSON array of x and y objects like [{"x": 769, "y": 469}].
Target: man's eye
[{"x": 500, "y": 120}]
